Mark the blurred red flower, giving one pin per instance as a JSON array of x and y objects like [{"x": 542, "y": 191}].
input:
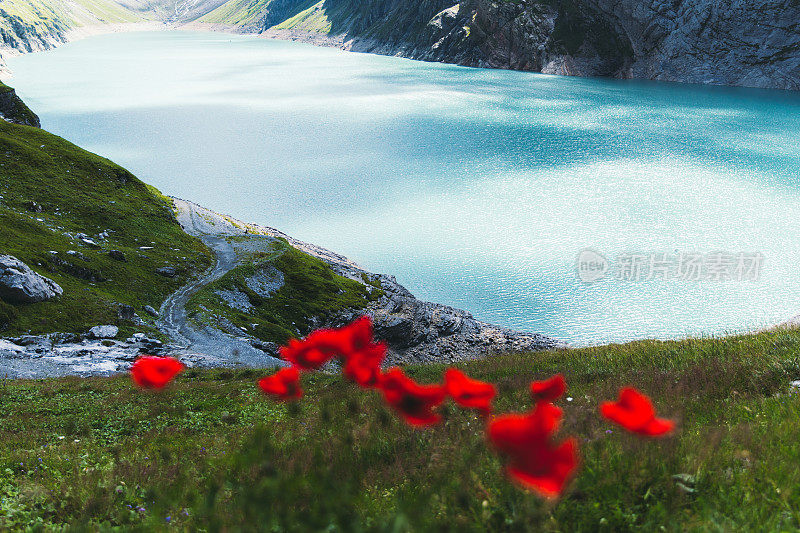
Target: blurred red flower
[
  {"x": 284, "y": 384},
  {"x": 535, "y": 462},
  {"x": 414, "y": 402},
  {"x": 316, "y": 349},
  {"x": 634, "y": 411},
  {"x": 152, "y": 372},
  {"x": 358, "y": 334},
  {"x": 322, "y": 345},
  {"x": 549, "y": 390},
  {"x": 364, "y": 366},
  {"x": 468, "y": 392}
]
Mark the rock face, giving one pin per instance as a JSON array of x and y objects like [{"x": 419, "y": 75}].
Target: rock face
[
  {"x": 266, "y": 281},
  {"x": 422, "y": 332},
  {"x": 167, "y": 272},
  {"x": 754, "y": 43},
  {"x": 13, "y": 109},
  {"x": 103, "y": 332},
  {"x": 21, "y": 285}
]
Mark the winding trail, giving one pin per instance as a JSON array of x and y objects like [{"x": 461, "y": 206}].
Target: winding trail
[{"x": 208, "y": 346}]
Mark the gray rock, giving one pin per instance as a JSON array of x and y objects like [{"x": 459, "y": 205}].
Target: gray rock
[
  {"x": 20, "y": 284},
  {"x": 266, "y": 281},
  {"x": 167, "y": 272},
  {"x": 33, "y": 207},
  {"x": 150, "y": 310},
  {"x": 103, "y": 332},
  {"x": 126, "y": 312},
  {"x": 235, "y": 299}
]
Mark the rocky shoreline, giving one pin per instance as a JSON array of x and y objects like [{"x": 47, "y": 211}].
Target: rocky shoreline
[{"x": 415, "y": 331}]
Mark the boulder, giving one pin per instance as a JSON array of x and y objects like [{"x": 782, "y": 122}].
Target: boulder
[
  {"x": 103, "y": 332},
  {"x": 126, "y": 312},
  {"x": 117, "y": 255},
  {"x": 150, "y": 310},
  {"x": 167, "y": 272},
  {"x": 20, "y": 284},
  {"x": 33, "y": 207}
]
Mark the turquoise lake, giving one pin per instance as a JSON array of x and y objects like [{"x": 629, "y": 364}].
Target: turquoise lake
[{"x": 476, "y": 188}]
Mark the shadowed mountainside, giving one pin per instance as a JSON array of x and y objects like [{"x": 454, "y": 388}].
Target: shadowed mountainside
[{"x": 754, "y": 43}]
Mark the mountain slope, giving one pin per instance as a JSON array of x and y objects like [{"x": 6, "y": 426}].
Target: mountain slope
[
  {"x": 51, "y": 191},
  {"x": 743, "y": 42},
  {"x": 752, "y": 43}
]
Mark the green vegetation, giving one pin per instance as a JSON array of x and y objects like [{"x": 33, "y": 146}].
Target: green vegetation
[
  {"x": 310, "y": 289},
  {"x": 252, "y": 12},
  {"x": 314, "y": 19},
  {"x": 56, "y": 16},
  {"x": 209, "y": 452},
  {"x": 51, "y": 188}
]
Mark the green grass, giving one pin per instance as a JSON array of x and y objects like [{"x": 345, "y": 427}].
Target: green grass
[
  {"x": 62, "y": 14},
  {"x": 313, "y": 19},
  {"x": 82, "y": 192},
  {"x": 211, "y": 453},
  {"x": 311, "y": 289}
]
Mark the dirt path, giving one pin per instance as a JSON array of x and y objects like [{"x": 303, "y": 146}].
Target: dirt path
[{"x": 208, "y": 345}]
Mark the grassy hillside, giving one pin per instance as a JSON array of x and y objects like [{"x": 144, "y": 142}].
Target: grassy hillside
[
  {"x": 211, "y": 453},
  {"x": 310, "y": 289},
  {"x": 44, "y": 15},
  {"x": 50, "y": 190}
]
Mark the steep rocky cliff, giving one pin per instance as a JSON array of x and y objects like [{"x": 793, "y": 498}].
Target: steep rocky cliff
[{"x": 752, "y": 43}]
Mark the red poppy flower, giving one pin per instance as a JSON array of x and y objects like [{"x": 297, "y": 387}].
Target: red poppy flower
[
  {"x": 316, "y": 349},
  {"x": 359, "y": 334},
  {"x": 152, "y": 372},
  {"x": 634, "y": 411},
  {"x": 364, "y": 366},
  {"x": 322, "y": 345},
  {"x": 549, "y": 390},
  {"x": 284, "y": 385},
  {"x": 468, "y": 392},
  {"x": 413, "y": 401},
  {"x": 535, "y": 461}
]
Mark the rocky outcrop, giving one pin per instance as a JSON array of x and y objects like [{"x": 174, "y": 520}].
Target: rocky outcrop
[
  {"x": 103, "y": 332},
  {"x": 415, "y": 330},
  {"x": 418, "y": 331},
  {"x": 13, "y": 109},
  {"x": 21, "y": 285}
]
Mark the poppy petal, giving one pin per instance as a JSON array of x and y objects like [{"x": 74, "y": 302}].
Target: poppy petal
[
  {"x": 152, "y": 372},
  {"x": 635, "y": 412},
  {"x": 468, "y": 392},
  {"x": 549, "y": 390},
  {"x": 284, "y": 385},
  {"x": 414, "y": 402}
]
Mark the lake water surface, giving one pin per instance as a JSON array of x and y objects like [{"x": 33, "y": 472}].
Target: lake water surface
[{"x": 476, "y": 188}]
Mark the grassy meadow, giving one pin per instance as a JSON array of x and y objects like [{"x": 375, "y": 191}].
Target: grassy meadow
[{"x": 211, "y": 453}]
